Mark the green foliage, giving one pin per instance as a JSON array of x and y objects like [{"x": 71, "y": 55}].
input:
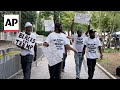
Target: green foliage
[
  {"x": 27, "y": 16},
  {"x": 110, "y": 50},
  {"x": 107, "y": 20},
  {"x": 66, "y": 20}
]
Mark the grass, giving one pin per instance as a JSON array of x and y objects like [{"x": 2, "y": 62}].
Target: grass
[
  {"x": 110, "y": 50},
  {"x": 103, "y": 61}
]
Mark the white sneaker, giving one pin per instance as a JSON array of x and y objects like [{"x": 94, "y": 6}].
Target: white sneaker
[{"x": 77, "y": 77}]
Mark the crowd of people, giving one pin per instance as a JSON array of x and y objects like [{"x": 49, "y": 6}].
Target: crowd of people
[{"x": 83, "y": 44}]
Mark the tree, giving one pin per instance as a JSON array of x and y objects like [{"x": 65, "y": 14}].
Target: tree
[
  {"x": 106, "y": 21},
  {"x": 28, "y": 16}
]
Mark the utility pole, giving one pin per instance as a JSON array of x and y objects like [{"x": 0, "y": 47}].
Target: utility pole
[{"x": 20, "y": 20}]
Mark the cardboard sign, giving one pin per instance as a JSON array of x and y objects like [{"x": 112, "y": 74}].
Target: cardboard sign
[
  {"x": 26, "y": 41},
  {"x": 82, "y": 18},
  {"x": 52, "y": 54},
  {"x": 49, "y": 25},
  {"x": 11, "y": 23}
]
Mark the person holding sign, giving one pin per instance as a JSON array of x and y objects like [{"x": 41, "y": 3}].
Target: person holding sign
[
  {"x": 28, "y": 52},
  {"x": 78, "y": 44},
  {"x": 59, "y": 40},
  {"x": 91, "y": 46}
]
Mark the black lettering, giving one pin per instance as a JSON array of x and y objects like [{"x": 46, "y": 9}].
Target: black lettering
[
  {"x": 26, "y": 37},
  {"x": 20, "y": 35},
  {"x": 31, "y": 46},
  {"x": 20, "y": 44},
  {"x": 14, "y": 21},
  {"x": 25, "y": 41},
  {"x": 8, "y": 22},
  {"x": 28, "y": 46},
  {"x": 23, "y": 45},
  {"x": 17, "y": 41},
  {"x": 33, "y": 41}
]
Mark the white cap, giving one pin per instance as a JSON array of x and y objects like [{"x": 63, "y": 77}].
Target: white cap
[{"x": 28, "y": 24}]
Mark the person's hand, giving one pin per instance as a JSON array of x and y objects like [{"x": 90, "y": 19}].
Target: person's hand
[
  {"x": 101, "y": 56},
  {"x": 35, "y": 58},
  {"x": 45, "y": 44},
  {"x": 22, "y": 48},
  {"x": 82, "y": 57}
]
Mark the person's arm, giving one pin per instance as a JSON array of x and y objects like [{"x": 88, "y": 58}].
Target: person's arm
[
  {"x": 84, "y": 48},
  {"x": 100, "y": 50},
  {"x": 72, "y": 25},
  {"x": 70, "y": 48},
  {"x": 35, "y": 51},
  {"x": 86, "y": 33}
]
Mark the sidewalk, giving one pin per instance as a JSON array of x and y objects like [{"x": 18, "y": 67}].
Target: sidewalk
[{"x": 41, "y": 70}]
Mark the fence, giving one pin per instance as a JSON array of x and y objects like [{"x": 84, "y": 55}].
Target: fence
[{"x": 10, "y": 61}]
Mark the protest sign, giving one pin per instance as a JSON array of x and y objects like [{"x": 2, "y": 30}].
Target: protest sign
[
  {"x": 49, "y": 25},
  {"x": 82, "y": 18},
  {"x": 52, "y": 55},
  {"x": 26, "y": 41}
]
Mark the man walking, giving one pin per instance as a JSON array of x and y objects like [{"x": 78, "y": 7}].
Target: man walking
[
  {"x": 78, "y": 44},
  {"x": 92, "y": 44},
  {"x": 27, "y": 56},
  {"x": 60, "y": 41}
]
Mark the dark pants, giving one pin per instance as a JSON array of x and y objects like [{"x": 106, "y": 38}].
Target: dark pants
[
  {"x": 64, "y": 58},
  {"x": 55, "y": 71},
  {"x": 91, "y": 67},
  {"x": 26, "y": 63}
]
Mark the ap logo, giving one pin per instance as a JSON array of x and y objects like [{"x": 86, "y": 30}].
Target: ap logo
[{"x": 11, "y": 23}]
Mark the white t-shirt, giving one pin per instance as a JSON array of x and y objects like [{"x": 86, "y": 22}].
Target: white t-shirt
[
  {"x": 78, "y": 43},
  {"x": 92, "y": 47},
  {"x": 24, "y": 52},
  {"x": 59, "y": 39}
]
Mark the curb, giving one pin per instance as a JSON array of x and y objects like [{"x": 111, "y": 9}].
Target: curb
[{"x": 106, "y": 72}]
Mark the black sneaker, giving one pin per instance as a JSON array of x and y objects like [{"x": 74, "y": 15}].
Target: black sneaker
[{"x": 77, "y": 78}]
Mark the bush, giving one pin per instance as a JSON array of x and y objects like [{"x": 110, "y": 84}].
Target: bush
[{"x": 43, "y": 33}]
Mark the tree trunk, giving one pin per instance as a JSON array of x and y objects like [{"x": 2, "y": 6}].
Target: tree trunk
[
  {"x": 56, "y": 16},
  {"x": 103, "y": 40}
]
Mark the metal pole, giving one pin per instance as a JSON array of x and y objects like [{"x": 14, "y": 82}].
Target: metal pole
[{"x": 20, "y": 20}]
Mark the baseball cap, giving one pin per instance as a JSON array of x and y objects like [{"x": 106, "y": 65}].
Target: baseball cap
[{"x": 28, "y": 24}]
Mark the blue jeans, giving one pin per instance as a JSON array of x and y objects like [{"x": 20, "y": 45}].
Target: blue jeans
[
  {"x": 78, "y": 61},
  {"x": 26, "y": 63}
]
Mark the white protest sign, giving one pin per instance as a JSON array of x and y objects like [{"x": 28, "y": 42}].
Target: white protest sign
[
  {"x": 49, "y": 25},
  {"x": 82, "y": 18},
  {"x": 11, "y": 23},
  {"x": 52, "y": 54},
  {"x": 26, "y": 41}
]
